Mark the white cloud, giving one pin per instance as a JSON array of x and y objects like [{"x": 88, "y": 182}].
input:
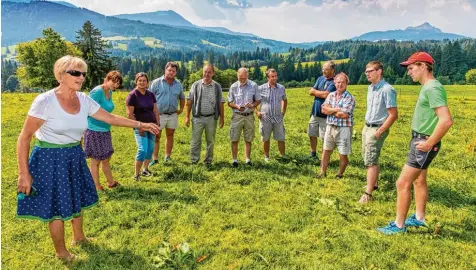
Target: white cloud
[{"x": 305, "y": 20}]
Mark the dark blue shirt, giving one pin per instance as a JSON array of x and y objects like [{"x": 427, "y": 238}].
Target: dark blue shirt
[{"x": 322, "y": 83}]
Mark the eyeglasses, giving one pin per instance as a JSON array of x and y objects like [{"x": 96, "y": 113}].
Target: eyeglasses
[
  {"x": 370, "y": 71},
  {"x": 76, "y": 73}
]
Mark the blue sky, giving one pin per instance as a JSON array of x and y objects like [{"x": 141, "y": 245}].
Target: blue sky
[{"x": 307, "y": 20}]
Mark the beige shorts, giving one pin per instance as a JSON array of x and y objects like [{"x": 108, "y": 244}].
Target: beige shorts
[
  {"x": 239, "y": 123},
  {"x": 317, "y": 127},
  {"x": 168, "y": 121},
  {"x": 265, "y": 129},
  {"x": 371, "y": 146},
  {"x": 340, "y": 137}
]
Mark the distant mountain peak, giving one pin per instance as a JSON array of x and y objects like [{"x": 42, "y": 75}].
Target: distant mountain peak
[{"x": 424, "y": 27}]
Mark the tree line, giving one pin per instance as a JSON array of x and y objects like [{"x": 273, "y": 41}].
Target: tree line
[{"x": 455, "y": 61}]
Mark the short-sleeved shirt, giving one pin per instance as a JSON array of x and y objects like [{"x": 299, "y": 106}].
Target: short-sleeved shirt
[
  {"x": 380, "y": 97},
  {"x": 242, "y": 94},
  {"x": 61, "y": 127},
  {"x": 143, "y": 105},
  {"x": 98, "y": 95},
  {"x": 271, "y": 98},
  {"x": 167, "y": 95},
  {"x": 346, "y": 103},
  {"x": 322, "y": 83},
  {"x": 432, "y": 95},
  {"x": 208, "y": 96}
]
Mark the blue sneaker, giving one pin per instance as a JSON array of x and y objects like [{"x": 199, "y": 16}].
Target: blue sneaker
[
  {"x": 391, "y": 229},
  {"x": 153, "y": 162},
  {"x": 168, "y": 159},
  {"x": 414, "y": 222}
]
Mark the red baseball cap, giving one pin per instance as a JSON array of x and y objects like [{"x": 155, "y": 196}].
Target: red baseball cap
[{"x": 418, "y": 57}]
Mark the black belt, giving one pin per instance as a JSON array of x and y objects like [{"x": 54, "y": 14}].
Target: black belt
[
  {"x": 167, "y": 113},
  {"x": 419, "y": 135},
  {"x": 244, "y": 114},
  {"x": 207, "y": 115},
  {"x": 373, "y": 125}
]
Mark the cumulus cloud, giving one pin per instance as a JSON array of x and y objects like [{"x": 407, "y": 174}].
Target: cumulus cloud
[{"x": 307, "y": 20}]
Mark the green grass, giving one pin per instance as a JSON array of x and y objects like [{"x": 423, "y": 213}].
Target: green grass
[{"x": 271, "y": 216}]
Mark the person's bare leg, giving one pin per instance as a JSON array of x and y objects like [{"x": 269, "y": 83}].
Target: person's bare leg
[
  {"x": 326, "y": 156},
  {"x": 281, "y": 148},
  {"x": 137, "y": 168},
  {"x": 313, "y": 142},
  {"x": 248, "y": 150},
  {"x": 106, "y": 169},
  {"x": 420, "y": 187},
  {"x": 155, "y": 154},
  {"x": 372, "y": 178},
  {"x": 343, "y": 161},
  {"x": 404, "y": 193},
  {"x": 78, "y": 234},
  {"x": 266, "y": 148},
  {"x": 234, "y": 150},
  {"x": 95, "y": 172},
  {"x": 57, "y": 235},
  {"x": 169, "y": 141},
  {"x": 146, "y": 163}
]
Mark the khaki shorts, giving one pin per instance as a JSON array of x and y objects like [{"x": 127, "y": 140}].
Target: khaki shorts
[
  {"x": 340, "y": 137},
  {"x": 317, "y": 127},
  {"x": 168, "y": 121},
  {"x": 239, "y": 123},
  {"x": 371, "y": 146},
  {"x": 265, "y": 129}
]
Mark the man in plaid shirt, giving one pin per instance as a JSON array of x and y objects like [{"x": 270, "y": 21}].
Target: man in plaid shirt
[{"x": 339, "y": 107}]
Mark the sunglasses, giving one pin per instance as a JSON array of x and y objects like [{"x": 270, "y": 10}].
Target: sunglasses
[{"x": 76, "y": 73}]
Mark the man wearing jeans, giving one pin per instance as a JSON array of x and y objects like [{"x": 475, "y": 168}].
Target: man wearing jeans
[
  {"x": 339, "y": 108},
  {"x": 168, "y": 91},
  {"x": 381, "y": 114},
  {"x": 205, "y": 100},
  {"x": 243, "y": 97},
  {"x": 317, "y": 123},
  {"x": 431, "y": 121}
]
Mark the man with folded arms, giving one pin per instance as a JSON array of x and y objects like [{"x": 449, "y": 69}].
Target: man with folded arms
[
  {"x": 205, "y": 100},
  {"x": 381, "y": 114},
  {"x": 431, "y": 121},
  {"x": 243, "y": 97}
]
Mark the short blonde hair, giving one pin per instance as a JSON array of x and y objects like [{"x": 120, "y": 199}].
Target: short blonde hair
[
  {"x": 342, "y": 74},
  {"x": 68, "y": 62}
]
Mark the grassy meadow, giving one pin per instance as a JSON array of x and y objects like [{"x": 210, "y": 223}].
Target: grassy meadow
[{"x": 269, "y": 216}]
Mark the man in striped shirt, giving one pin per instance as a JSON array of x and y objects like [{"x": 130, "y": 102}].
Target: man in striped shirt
[
  {"x": 339, "y": 107},
  {"x": 271, "y": 113}
]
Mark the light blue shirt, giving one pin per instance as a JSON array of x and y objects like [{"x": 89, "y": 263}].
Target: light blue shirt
[
  {"x": 98, "y": 95},
  {"x": 167, "y": 95},
  {"x": 380, "y": 97},
  {"x": 242, "y": 94}
]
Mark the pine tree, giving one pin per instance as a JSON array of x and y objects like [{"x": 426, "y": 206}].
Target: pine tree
[{"x": 94, "y": 51}]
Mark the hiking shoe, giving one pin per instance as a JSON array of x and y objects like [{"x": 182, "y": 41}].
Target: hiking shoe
[
  {"x": 146, "y": 173},
  {"x": 153, "y": 162},
  {"x": 392, "y": 228},
  {"x": 168, "y": 159},
  {"x": 412, "y": 221},
  {"x": 137, "y": 178},
  {"x": 234, "y": 164},
  {"x": 207, "y": 162}
]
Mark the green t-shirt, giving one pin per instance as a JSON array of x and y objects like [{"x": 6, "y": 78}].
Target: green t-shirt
[
  {"x": 99, "y": 96},
  {"x": 432, "y": 95}
]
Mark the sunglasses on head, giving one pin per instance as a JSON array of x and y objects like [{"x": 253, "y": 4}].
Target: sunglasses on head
[{"x": 76, "y": 73}]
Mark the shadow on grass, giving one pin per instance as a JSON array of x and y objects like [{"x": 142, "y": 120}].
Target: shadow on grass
[
  {"x": 449, "y": 198},
  {"x": 148, "y": 194},
  {"x": 183, "y": 172},
  {"x": 102, "y": 258}
]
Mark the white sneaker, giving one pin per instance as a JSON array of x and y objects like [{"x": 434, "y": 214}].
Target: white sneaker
[{"x": 266, "y": 159}]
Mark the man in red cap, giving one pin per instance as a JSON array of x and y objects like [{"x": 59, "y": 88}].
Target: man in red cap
[{"x": 431, "y": 121}]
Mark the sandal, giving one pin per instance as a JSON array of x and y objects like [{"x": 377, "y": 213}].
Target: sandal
[
  {"x": 366, "y": 198},
  {"x": 71, "y": 258},
  {"x": 115, "y": 184},
  {"x": 82, "y": 242},
  {"x": 100, "y": 188}
]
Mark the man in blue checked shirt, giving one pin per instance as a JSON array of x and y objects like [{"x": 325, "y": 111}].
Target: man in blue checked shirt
[
  {"x": 272, "y": 109},
  {"x": 339, "y": 107},
  {"x": 168, "y": 92}
]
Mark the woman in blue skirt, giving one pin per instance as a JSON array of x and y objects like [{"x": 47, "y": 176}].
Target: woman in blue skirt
[{"x": 55, "y": 179}]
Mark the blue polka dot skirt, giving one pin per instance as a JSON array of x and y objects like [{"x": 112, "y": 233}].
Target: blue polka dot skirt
[{"x": 63, "y": 183}]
